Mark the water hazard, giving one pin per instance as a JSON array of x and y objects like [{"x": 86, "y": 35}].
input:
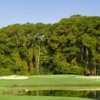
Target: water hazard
[{"x": 62, "y": 93}]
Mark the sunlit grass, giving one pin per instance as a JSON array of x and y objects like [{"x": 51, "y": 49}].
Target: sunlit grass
[
  {"x": 40, "y": 98},
  {"x": 52, "y": 80},
  {"x": 48, "y": 82}
]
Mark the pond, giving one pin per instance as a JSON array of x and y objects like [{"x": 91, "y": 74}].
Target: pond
[{"x": 62, "y": 93}]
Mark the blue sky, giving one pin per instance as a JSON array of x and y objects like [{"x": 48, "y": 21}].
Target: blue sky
[{"x": 46, "y": 11}]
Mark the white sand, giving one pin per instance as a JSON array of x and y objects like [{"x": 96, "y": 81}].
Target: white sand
[
  {"x": 14, "y": 77},
  {"x": 89, "y": 77}
]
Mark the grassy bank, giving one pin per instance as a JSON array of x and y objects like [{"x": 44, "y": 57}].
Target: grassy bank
[{"x": 40, "y": 98}]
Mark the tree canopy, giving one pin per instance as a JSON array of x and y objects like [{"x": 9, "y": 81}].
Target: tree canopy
[{"x": 70, "y": 46}]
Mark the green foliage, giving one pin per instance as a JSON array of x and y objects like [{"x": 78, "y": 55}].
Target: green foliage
[
  {"x": 5, "y": 71},
  {"x": 70, "y": 46}
]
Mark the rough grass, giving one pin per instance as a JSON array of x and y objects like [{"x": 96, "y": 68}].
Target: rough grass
[{"x": 40, "y": 98}]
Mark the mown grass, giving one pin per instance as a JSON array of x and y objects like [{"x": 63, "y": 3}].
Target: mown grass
[
  {"x": 52, "y": 80},
  {"x": 40, "y": 98},
  {"x": 48, "y": 82}
]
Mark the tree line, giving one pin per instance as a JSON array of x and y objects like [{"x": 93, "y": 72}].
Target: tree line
[{"x": 70, "y": 46}]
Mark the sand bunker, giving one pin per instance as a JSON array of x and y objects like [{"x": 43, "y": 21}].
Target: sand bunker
[
  {"x": 14, "y": 77},
  {"x": 90, "y": 77}
]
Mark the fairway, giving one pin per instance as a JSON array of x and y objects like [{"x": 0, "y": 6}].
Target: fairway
[
  {"x": 48, "y": 82},
  {"x": 52, "y": 80},
  {"x": 40, "y": 98}
]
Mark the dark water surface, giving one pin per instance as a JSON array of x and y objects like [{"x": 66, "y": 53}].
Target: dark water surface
[{"x": 63, "y": 93}]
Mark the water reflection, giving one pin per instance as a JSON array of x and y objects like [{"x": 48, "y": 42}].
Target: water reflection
[
  {"x": 67, "y": 93},
  {"x": 84, "y": 94}
]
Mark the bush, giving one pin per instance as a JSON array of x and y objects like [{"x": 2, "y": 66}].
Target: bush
[
  {"x": 76, "y": 70},
  {"x": 5, "y": 72}
]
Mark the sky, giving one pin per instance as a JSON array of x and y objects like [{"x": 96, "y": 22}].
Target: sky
[{"x": 45, "y": 11}]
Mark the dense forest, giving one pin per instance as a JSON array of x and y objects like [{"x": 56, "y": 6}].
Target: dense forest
[{"x": 70, "y": 46}]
